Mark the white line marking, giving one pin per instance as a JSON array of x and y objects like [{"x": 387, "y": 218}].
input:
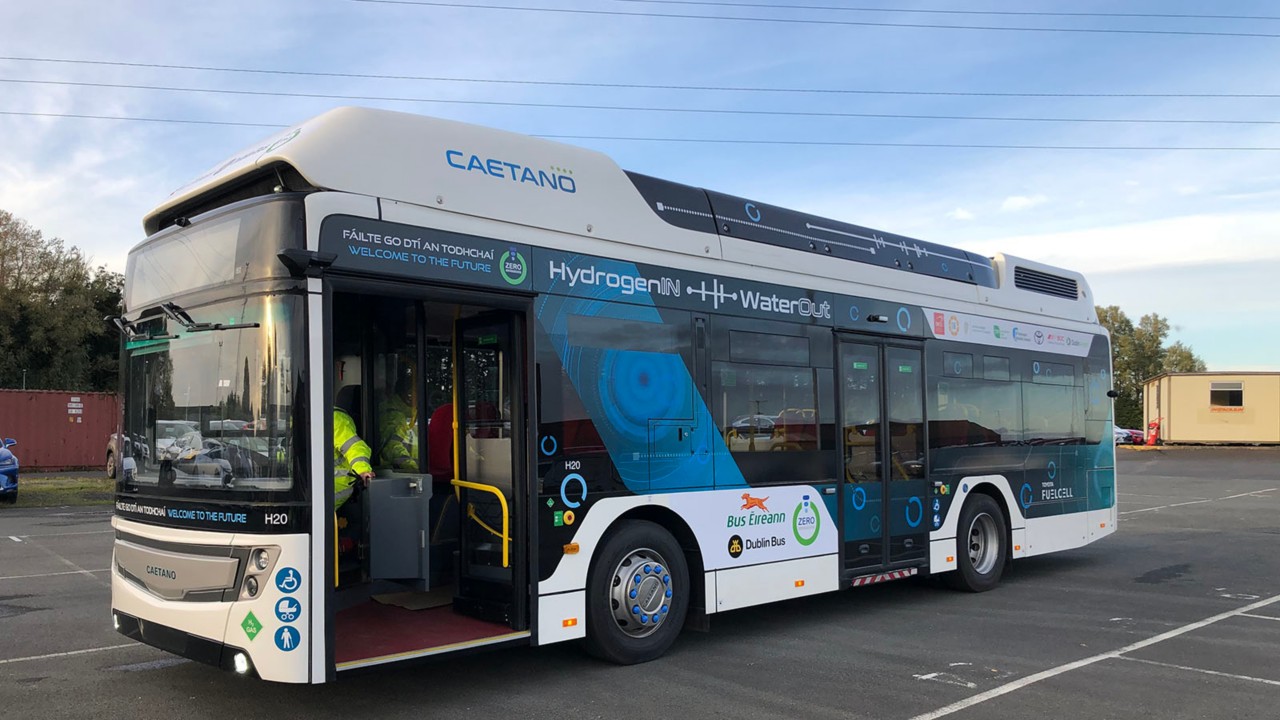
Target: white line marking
[
  {"x": 43, "y": 575},
  {"x": 1255, "y": 493},
  {"x": 67, "y": 654},
  {"x": 15, "y": 538},
  {"x": 86, "y": 532},
  {"x": 1054, "y": 672},
  {"x": 1250, "y": 678},
  {"x": 72, "y": 565},
  {"x": 1260, "y": 617},
  {"x": 1158, "y": 496},
  {"x": 948, "y": 678}
]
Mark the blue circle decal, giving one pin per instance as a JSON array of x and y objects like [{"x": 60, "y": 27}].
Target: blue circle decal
[
  {"x": 288, "y": 609},
  {"x": 875, "y": 523},
  {"x": 919, "y": 511},
  {"x": 554, "y": 446},
  {"x": 904, "y": 319},
  {"x": 854, "y": 313},
  {"x": 859, "y": 493},
  {"x": 564, "y": 485},
  {"x": 1053, "y": 470},
  {"x": 753, "y": 212},
  {"x": 288, "y": 580},
  {"x": 287, "y": 638},
  {"x": 1026, "y": 495}
]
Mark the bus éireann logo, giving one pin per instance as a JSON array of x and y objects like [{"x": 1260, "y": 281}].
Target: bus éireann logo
[{"x": 513, "y": 267}]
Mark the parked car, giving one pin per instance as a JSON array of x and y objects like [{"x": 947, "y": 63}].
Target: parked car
[
  {"x": 1129, "y": 437},
  {"x": 8, "y": 473},
  {"x": 135, "y": 446}
]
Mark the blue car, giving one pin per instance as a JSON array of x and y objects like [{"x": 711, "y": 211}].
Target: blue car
[{"x": 8, "y": 473}]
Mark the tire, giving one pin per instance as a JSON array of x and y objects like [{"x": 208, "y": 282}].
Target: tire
[
  {"x": 111, "y": 465},
  {"x": 982, "y": 545},
  {"x": 644, "y": 550}
]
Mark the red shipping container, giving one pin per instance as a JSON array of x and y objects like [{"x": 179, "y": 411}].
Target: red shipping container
[{"x": 59, "y": 430}]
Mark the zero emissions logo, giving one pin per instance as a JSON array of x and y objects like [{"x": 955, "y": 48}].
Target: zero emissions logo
[
  {"x": 513, "y": 267},
  {"x": 806, "y": 523}
]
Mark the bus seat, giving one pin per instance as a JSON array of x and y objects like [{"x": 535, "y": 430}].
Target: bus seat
[
  {"x": 349, "y": 401},
  {"x": 440, "y": 443}
]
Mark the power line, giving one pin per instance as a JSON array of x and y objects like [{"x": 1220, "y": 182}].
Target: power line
[
  {"x": 641, "y": 108},
  {"x": 808, "y": 21},
  {"x": 78, "y": 116},
  {"x": 716, "y": 141},
  {"x": 923, "y": 11},
  {"x": 637, "y": 86}
]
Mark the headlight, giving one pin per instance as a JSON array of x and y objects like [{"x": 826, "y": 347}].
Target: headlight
[
  {"x": 251, "y": 587},
  {"x": 261, "y": 559}
]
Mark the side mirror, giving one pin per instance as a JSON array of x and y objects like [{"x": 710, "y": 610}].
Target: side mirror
[
  {"x": 1113, "y": 394},
  {"x": 10, "y": 442}
]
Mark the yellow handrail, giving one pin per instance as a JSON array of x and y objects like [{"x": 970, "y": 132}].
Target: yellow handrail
[{"x": 506, "y": 519}]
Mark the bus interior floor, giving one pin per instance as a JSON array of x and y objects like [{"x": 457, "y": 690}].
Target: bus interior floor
[{"x": 376, "y": 630}]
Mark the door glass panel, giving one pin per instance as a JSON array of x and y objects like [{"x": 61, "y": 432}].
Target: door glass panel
[
  {"x": 907, "y": 483},
  {"x": 863, "y": 454},
  {"x": 906, "y": 414}
]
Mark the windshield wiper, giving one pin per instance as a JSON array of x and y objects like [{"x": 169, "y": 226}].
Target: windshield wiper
[
  {"x": 180, "y": 316},
  {"x": 131, "y": 332}
]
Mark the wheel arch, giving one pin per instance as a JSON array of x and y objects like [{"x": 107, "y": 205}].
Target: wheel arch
[
  {"x": 995, "y": 493},
  {"x": 669, "y": 520}
]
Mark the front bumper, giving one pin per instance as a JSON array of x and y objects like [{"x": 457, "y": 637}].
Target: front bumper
[{"x": 178, "y": 642}]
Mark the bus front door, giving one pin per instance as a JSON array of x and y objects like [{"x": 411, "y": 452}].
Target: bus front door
[
  {"x": 884, "y": 500},
  {"x": 491, "y": 480}
]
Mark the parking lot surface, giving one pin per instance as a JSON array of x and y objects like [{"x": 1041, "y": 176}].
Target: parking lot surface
[{"x": 1175, "y": 616}]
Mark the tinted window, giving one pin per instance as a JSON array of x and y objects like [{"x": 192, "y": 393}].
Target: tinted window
[
  {"x": 766, "y": 348},
  {"x": 957, "y": 365}
]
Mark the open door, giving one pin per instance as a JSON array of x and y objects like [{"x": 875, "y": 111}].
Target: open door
[
  {"x": 885, "y": 488},
  {"x": 491, "y": 478}
]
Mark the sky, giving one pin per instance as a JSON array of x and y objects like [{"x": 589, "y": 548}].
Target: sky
[{"x": 1174, "y": 217}]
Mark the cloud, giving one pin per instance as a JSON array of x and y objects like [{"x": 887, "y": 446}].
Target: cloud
[
  {"x": 1015, "y": 203},
  {"x": 960, "y": 214}
]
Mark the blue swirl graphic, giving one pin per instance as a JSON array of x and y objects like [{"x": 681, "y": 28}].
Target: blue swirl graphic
[
  {"x": 919, "y": 515},
  {"x": 859, "y": 492}
]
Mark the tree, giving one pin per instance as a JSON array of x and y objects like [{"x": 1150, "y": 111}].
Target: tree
[
  {"x": 1137, "y": 355},
  {"x": 51, "y": 308}
]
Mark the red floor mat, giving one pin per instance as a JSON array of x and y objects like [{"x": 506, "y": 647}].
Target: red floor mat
[{"x": 372, "y": 630}]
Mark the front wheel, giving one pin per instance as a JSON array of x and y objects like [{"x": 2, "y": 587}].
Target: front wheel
[
  {"x": 637, "y": 594},
  {"x": 111, "y": 465},
  {"x": 982, "y": 547}
]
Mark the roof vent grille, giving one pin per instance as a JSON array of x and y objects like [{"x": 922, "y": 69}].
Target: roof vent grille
[{"x": 1043, "y": 282}]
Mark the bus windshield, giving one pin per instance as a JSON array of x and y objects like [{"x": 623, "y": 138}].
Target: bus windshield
[{"x": 208, "y": 414}]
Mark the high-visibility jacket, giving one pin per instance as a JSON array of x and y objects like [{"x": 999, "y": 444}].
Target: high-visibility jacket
[
  {"x": 350, "y": 455},
  {"x": 398, "y": 430}
]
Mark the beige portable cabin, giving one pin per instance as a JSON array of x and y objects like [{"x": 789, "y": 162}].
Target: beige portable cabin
[{"x": 1214, "y": 407}]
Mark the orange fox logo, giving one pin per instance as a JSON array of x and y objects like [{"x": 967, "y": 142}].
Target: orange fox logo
[{"x": 749, "y": 502}]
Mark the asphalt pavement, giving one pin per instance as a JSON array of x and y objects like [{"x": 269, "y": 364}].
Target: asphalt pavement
[{"x": 1175, "y": 616}]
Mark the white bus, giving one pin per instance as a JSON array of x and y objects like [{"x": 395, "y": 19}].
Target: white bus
[{"x": 599, "y": 405}]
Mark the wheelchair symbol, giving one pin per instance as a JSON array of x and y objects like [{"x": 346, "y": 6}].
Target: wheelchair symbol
[{"x": 288, "y": 580}]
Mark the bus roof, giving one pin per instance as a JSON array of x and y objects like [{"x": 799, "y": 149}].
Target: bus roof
[{"x": 537, "y": 183}]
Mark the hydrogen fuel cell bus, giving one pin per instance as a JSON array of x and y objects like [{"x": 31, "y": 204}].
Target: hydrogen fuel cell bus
[{"x": 599, "y": 405}]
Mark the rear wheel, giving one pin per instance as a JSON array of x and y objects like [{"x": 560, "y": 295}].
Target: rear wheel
[
  {"x": 982, "y": 547},
  {"x": 111, "y": 465},
  {"x": 637, "y": 594}
]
